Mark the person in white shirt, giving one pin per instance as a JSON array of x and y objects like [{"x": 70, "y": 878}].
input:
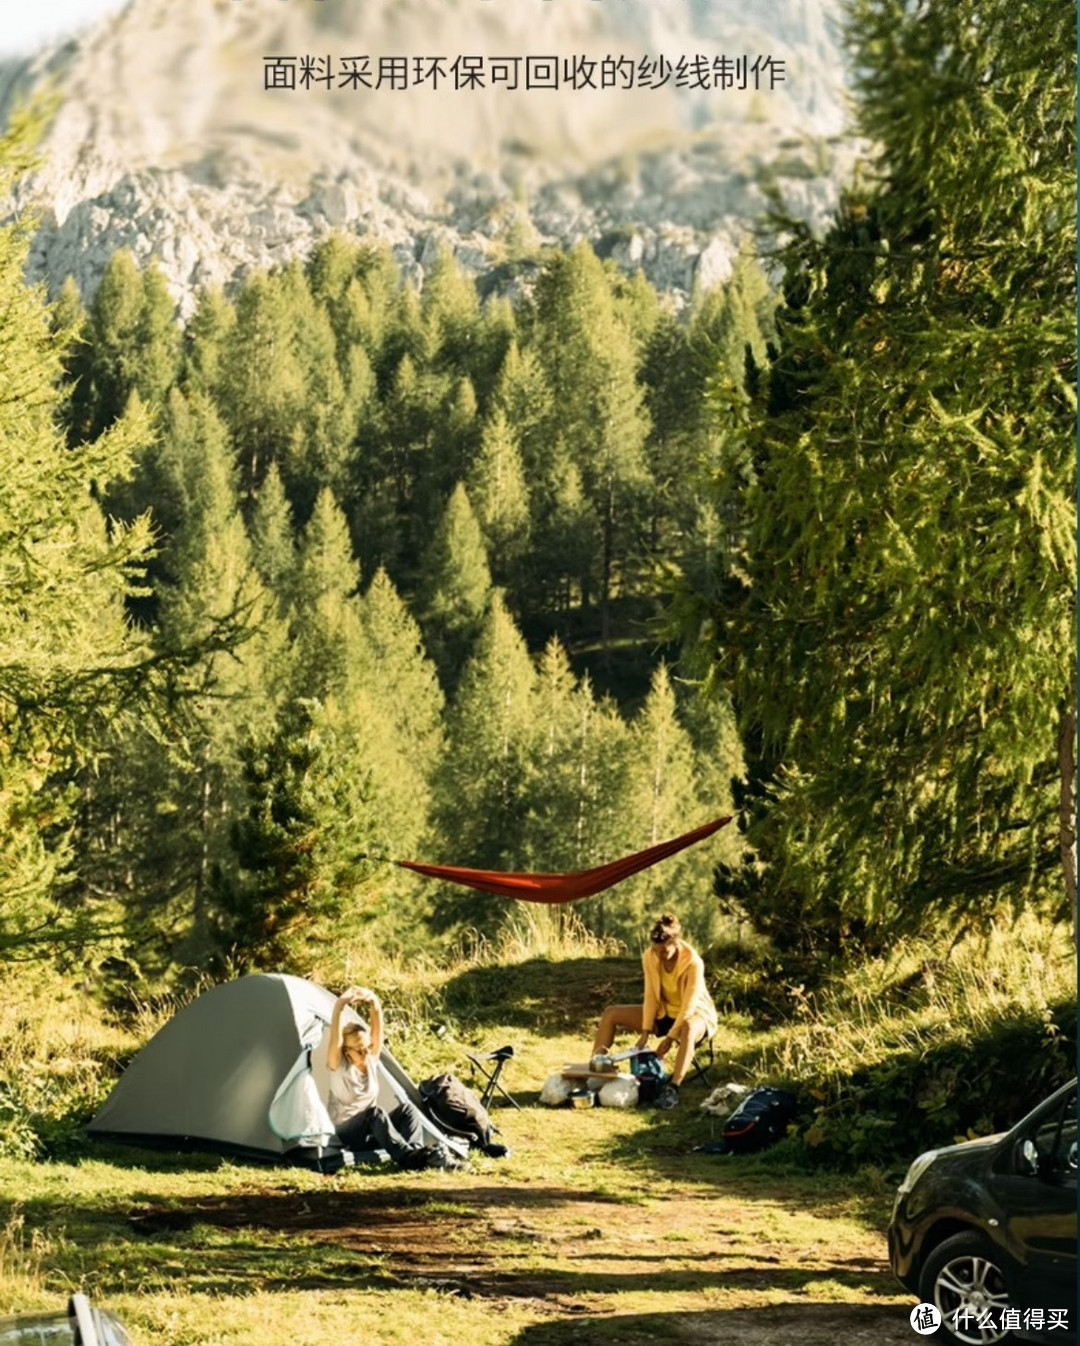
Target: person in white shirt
[{"x": 352, "y": 1059}]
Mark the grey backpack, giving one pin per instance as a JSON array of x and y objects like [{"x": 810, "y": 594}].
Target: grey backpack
[{"x": 453, "y": 1106}]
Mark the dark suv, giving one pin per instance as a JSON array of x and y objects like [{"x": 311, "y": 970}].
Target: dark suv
[{"x": 986, "y": 1231}]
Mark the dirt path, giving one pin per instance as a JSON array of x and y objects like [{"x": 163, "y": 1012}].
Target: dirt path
[{"x": 682, "y": 1269}]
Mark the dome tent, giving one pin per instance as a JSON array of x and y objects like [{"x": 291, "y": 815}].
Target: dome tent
[{"x": 207, "y": 1079}]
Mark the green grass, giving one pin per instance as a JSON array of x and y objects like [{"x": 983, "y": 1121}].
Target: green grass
[{"x": 603, "y": 1226}]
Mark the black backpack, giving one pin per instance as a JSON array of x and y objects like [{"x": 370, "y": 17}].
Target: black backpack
[
  {"x": 452, "y": 1105},
  {"x": 760, "y": 1120}
]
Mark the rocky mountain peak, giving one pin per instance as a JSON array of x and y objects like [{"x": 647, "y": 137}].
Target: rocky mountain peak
[{"x": 169, "y": 142}]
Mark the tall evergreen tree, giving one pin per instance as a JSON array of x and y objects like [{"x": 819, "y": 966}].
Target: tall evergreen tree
[
  {"x": 565, "y": 539},
  {"x": 524, "y": 395},
  {"x": 396, "y": 664},
  {"x": 133, "y": 344},
  {"x": 591, "y": 360},
  {"x": 664, "y": 801},
  {"x": 301, "y": 845},
  {"x": 207, "y": 337},
  {"x": 217, "y": 602},
  {"x": 900, "y": 619},
  {"x": 70, "y": 665},
  {"x": 484, "y": 781},
  {"x": 273, "y": 540},
  {"x": 496, "y": 486},
  {"x": 456, "y": 587},
  {"x": 451, "y": 313},
  {"x": 325, "y": 614}
]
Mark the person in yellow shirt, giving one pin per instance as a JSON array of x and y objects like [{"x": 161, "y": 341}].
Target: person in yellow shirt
[{"x": 676, "y": 1007}]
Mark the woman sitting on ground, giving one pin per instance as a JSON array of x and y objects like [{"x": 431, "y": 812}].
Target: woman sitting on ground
[
  {"x": 352, "y": 1058},
  {"x": 677, "y": 1006}
]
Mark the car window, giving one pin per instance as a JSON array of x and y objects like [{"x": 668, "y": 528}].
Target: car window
[
  {"x": 1055, "y": 1139},
  {"x": 30, "y": 1330},
  {"x": 111, "y": 1332}
]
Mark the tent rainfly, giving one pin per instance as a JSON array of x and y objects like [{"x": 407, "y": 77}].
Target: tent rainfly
[{"x": 212, "y": 1078}]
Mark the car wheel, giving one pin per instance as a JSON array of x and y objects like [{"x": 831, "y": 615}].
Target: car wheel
[{"x": 963, "y": 1279}]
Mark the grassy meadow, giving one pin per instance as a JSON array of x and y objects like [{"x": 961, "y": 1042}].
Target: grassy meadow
[{"x": 602, "y": 1225}]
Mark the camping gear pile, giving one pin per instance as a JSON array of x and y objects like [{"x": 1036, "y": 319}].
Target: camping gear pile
[
  {"x": 602, "y": 1084},
  {"x": 761, "y": 1118}
]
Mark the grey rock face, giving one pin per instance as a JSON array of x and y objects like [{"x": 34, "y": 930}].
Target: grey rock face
[{"x": 168, "y": 143}]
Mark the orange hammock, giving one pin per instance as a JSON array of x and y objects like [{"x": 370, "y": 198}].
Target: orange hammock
[{"x": 555, "y": 888}]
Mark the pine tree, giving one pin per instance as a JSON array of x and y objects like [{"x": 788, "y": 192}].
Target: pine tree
[
  {"x": 70, "y": 664},
  {"x": 591, "y": 360},
  {"x": 215, "y": 602},
  {"x": 273, "y": 539},
  {"x": 325, "y": 613},
  {"x": 484, "y": 781},
  {"x": 899, "y": 619},
  {"x": 456, "y": 587},
  {"x": 496, "y": 486}
]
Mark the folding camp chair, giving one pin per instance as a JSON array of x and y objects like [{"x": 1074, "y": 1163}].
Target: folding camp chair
[
  {"x": 491, "y": 1073},
  {"x": 704, "y": 1060}
]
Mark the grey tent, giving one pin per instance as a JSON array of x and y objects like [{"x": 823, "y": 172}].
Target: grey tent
[{"x": 208, "y": 1078}]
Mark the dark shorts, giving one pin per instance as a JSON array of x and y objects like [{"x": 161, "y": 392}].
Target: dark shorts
[{"x": 663, "y": 1026}]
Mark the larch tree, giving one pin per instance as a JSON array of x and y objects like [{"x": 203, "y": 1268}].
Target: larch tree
[
  {"x": 404, "y": 687},
  {"x": 71, "y": 666},
  {"x": 898, "y": 625},
  {"x": 325, "y": 615},
  {"x": 215, "y": 602},
  {"x": 663, "y": 801},
  {"x": 500, "y": 497},
  {"x": 207, "y": 337},
  {"x": 483, "y": 784},
  {"x": 133, "y": 343},
  {"x": 455, "y": 587},
  {"x": 273, "y": 539},
  {"x": 591, "y": 360}
]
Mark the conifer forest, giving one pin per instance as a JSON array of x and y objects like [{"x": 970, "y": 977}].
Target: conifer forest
[{"x": 338, "y": 571}]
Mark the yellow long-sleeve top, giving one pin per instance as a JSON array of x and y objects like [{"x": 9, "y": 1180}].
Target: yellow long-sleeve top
[{"x": 694, "y": 998}]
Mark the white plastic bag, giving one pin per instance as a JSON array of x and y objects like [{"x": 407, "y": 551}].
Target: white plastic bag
[
  {"x": 556, "y": 1090},
  {"x": 620, "y": 1093}
]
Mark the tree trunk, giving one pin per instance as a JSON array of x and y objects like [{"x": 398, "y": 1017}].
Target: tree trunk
[
  {"x": 203, "y": 872},
  {"x": 1067, "y": 807}
]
